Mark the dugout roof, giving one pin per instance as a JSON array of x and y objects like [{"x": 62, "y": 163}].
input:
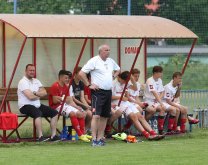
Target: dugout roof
[{"x": 95, "y": 26}]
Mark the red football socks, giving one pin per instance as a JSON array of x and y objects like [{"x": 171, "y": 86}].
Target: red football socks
[
  {"x": 82, "y": 124},
  {"x": 171, "y": 121},
  {"x": 128, "y": 124},
  {"x": 153, "y": 133},
  {"x": 145, "y": 134},
  {"x": 183, "y": 125},
  {"x": 161, "y": 122},
  {"x": 75, "y": 124},
  {"x": 108, "y": 128}
]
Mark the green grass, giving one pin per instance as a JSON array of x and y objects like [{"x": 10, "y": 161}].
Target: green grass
[{"x": 187, "y": 149}]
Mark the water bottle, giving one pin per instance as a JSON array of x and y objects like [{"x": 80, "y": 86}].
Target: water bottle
[
  {"x": 155, "y": 128},
  {"x": 64, "y": 133},
  {"x": 73, "y": 135}
]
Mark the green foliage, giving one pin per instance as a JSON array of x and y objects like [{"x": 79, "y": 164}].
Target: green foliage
[
  {"x": 195, "y": 76},
  {"x": 6, "y": 7},
  {"x": 190, "y": 13},
  {"x": 44, "y": 7}
]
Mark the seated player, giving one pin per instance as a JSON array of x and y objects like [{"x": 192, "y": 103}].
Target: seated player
[
  {"x": 87, "y": 92},
  {"x": 172, "y": 93},
  {"x": 130, "y": 110},
  {"x": 134, "y": 94},
  {"x": 154, "y": 92},
  {"x": 79, "y": 99},
  {"x": 56, "y": 96}
]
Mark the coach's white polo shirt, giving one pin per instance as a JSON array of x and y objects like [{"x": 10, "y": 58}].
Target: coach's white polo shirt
[
  {"x": 101, "y": 71},
  {"x": 32, "y": 85},
  {"x": 152, "y": 85}
]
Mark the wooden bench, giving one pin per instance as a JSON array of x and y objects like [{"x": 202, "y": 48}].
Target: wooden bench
[{"x": 12, "y": 96}]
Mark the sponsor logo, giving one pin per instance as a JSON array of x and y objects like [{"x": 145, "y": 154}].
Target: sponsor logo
[{"x": 131, "y": 50}]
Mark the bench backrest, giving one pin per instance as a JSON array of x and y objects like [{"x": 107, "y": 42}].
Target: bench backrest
[{"x": 12, "y": 94}]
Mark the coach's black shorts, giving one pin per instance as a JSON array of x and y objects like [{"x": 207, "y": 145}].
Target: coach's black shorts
[
  {"x": 42, "y": 111},
  {"x": 101, "y": 102}
]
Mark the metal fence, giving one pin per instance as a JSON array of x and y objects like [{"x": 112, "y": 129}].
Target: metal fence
[{"x": 194, "y": 99}]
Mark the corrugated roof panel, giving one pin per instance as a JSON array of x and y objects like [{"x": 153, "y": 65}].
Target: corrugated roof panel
[{"x": 96, "y": 26}]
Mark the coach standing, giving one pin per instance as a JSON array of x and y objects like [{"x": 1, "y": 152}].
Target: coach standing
[{"x": 102, "y": 70}]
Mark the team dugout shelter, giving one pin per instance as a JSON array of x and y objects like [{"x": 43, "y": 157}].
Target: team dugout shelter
[{"x": 54, "y": 42}]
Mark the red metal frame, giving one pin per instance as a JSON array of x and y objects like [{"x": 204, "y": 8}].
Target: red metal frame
[
  {"x": 137, "y": 54},
  {"x": 92, "y": 47},
  {"x": 4, "y": 56},
  {"x": 64, "y": 67},
  {"x": 189, "y": 55},
  {"x": 119, "y": 51},
  {"x": 35, "y": 54},
  {"x": 3, "y": 103},
  {"x": 13, "y": 72},
  {"x": 13, "y": 27},
  {"x": 4, "y": 61},
  {"x": 145, "y": 59},
  {"x": 70, "y": 82},
  {"x": 63, "y": 53},
  {"x": 35, "y": 64}
]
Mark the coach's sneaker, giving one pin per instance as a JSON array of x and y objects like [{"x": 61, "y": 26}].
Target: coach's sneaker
[
  {"x": 84, "y": 138},
  {"x": 88, "y": 136},
  {"x": 42, "y": 139},
  {"x": 101, "y": 142},
  {"x": 94, "y": 143}
]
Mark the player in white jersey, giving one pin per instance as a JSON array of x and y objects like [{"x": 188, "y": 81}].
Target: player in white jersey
[
  {"x": 172, "y": 92},
  {"x": 154, "y": 92},
  {"x": 134, "y": 95},
  {"x": 129, "y": 109}
]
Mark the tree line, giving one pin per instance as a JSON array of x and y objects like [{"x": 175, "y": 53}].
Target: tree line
[{"x": 191, "y": 13}]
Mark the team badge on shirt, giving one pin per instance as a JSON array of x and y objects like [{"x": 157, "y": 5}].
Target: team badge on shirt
[{"x": 151, "y": 86}]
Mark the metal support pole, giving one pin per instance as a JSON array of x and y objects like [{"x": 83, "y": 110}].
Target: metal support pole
[
  {"x": 145, "y": 59},
  {"x": 64, "y": 53},
  {"x": 15, "y": 6},
  {"x": 129, "y": 7},
  {"x": 4, "y": 55},
  {"x": 189, "y": 55},
  {"x": 35, "y": 54},
  {"x": 92, "y": 47},
  {"x": 64, "y": 67},
  {"x": 70, "y": 82},
  {"x": 119, "y": 51},
  {"x": 13, "y": 72}
]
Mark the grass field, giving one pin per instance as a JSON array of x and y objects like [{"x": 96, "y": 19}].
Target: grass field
[{"x": 189, "y": 149}]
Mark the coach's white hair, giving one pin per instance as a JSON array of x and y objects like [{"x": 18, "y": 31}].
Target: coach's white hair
[{"x": 101, "y": 46}]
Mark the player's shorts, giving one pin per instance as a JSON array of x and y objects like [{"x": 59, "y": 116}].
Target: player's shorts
[
  {"x": 166, "y": 105},
  {"x": 129, "y": 108},
  {"x": 152, "y": 103},
  {"x": 67, "y": 109},
  {"x": 155, "y": 104}
]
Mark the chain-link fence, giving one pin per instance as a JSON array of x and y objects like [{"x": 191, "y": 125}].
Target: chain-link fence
[{"x": 190, "y": 13}]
